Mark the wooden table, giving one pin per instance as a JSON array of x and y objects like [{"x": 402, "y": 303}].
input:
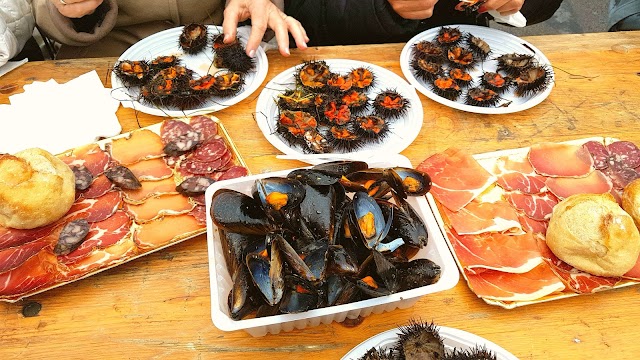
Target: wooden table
[{"x": 159, "y": 306}]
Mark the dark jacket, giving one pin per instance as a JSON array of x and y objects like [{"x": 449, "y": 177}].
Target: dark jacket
[{"x": 344, "y": 22}]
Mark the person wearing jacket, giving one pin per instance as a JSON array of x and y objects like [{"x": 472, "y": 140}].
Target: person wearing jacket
[
  {"x": 346, "y": 22},
  {"x": 16, "y": 27},
  {"x": 96, "y": 28}
]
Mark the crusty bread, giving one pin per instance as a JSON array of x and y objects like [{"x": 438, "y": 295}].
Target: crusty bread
[
  {"x": 593, "y": 234},
  {"x": 36, "y": 189},
  {"x": 631, "y": 200}
]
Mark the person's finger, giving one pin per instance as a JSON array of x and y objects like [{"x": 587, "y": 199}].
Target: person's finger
[
  {"x": 230, "y": 21},
  {"x": 510, "y": 7},
  {"x": 279, "y": 26},
  {"x": 258, "y": 28},
  {"x": 297, "y": 32}
]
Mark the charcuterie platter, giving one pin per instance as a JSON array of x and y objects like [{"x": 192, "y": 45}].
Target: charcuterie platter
[
  {"x": 495, "y": 209},
  {"x": 162, "y": 208}
]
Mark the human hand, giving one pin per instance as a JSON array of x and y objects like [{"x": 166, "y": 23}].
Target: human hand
[
  {"x": 76, "y": 8},
  {"x": 413, "y": 9},
  {"x": 263, "y": 14},
  {"x": 504, "y": 7}
]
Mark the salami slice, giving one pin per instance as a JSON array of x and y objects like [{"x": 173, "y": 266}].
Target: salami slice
[
  {"x": 210, "y": 151},
  {"x": 599, "y": 153},
  {"x": 621, "y": 177},
  {"x": 624, "y": 154},
  {"x": 234, "y": 172},
  {"x": 205, "y": 126},
  {"x": 171, "y": 129},
  {"x": 201, "y": 168},
  {"x": 200, "y": 213}
]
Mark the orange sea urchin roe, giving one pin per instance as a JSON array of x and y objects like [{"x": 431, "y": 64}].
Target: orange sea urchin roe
[
  {"x": 446, "y": 83},
  {"x": 392, "y": 102},
  {"x": 361, "y": 78},
  {"x": 460, "y": 56},
  {"x": 343, "y": 134},
  {"x": 337, "y": 114},
  {"x": 342, "y": 83},
  {"x": 458, "y": 74}
]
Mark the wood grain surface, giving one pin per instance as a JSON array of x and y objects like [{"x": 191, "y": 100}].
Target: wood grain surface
[{"x": 158, "y": 306}]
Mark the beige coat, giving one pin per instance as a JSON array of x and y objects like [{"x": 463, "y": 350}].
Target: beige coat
[{"x": 127, "y": 22}]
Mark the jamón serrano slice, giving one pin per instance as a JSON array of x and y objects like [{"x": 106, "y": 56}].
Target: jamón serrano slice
[
  {"x": 165, "y": 230},
  {"x": 518, "y": 175},
  {"x": 90, "y": 156},
  {"x": 99, "y": 186},
  {"x": 536, "y": 206},
  {"x": 594, "y": 183},
  {"x": 506, "y": 253},
  {"x": 35, "y": 273},
  {"x": 479, "y": 217},
  {"x": 457, "y": 178},
  {"x": 554, "y": 159},
  {"x": 529, "y": 286}
]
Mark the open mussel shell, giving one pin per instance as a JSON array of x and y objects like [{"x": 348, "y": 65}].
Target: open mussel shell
[
  {"x": 241, "y": 300},
  {"x": 267, "y": 273},
  {"x": 277, "y": 193},
  {"x": 339, "y": 261},
  {"x": 291, "y": 257},
  {"x": 405, "y": 224},
  {"x": 341, "y": 291},
  {"x": 388, "y": 273},
  {"x": 413, "y": 182},
  {"x": 236, "y": 212},
  {"x": 236, "y": 247},
  {"x": 300, "y": 295}
]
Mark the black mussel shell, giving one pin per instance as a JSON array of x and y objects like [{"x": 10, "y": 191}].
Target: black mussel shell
[
  {"x": 412, "y": 182},
  {"x": 340, "y": 262},
  {"x": 236, "y": 212},
  {"x": 417, "y": 273},
  {"x": 291, "y": 257},
  {"x": 236, "y": 247},
  {"x": 300, "y": 296},
  {"x": 341, "y": 291},
  {"x": 241, "y": 297},
  {"x": 341, "y": 167},
  {"x": 277, "y": 193},
  {"x": 313, "y": 177},
  {"x": 268, "y": 275}
]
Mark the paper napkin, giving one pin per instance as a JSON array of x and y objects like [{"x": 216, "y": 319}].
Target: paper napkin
[{"x": 58, "y": 117}]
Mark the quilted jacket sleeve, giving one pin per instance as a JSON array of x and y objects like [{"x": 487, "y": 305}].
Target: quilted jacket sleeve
[
  {"x": 61, "y": 29},
  {"x": 16, "y": 27}
]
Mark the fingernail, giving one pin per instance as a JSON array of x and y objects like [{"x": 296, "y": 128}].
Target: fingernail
[
  {"x": 286, "y": 51},
  {"x": 225, "y": 38},
  {"x": 482, "y": 9},
  {"x": 252, "y": 53}
]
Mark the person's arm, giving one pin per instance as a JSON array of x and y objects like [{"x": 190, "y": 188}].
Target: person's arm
[
  {"x": 76, "y": 22},
  {"x": 16, "y": 27}
]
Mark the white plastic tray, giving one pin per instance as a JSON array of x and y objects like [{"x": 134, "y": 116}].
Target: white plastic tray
[
  {"x": 221, "y": 283},
  {"x": 452, "y": 338}
]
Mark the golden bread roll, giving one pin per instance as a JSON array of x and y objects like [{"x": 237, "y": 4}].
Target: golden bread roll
[
  {"x": 631, "y": 200},
  {"x": 36, "y": 189},
  {"x": 594, "y": 234}
]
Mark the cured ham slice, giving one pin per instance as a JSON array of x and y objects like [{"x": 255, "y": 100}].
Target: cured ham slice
[
  {"x": 576, "y": 280},
  {"x": 537, "y": 207},
  {"x": 478, "y": 217},
  {"x": 506, "y": 253},
  {"x": 90, "y": 156},
  {"x": 532, "y": 285},
  {"x": 14, "y": 237},
  {"x": 11, "y": 258},
  {"x": 94, "y": 210},
  {"x": 153, "y": 169},
  {"x": 518, "y": 175},
  {"x": 533, "y": 226},
  {"x": 35, "y": 273},
  {"x": 594, "y": 183},
  {"x": 139, "y": 145},
  {"x": 101, "y": 235},
  {"x": 150, "y": 189},
  {"x": 101, "y": 258},
  {"x": 165, "y": 230},
  {"x": 171, "y": 129},
  {"x": 100, "y": 186},
  {"x": 457, "y": 178},
  {"x": 553, "y": 159},
  {"x": 205, "y": 126},
  {"x": 159, "y": 206}
]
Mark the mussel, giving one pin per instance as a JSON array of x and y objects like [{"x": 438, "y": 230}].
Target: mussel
[{"x": 236, "y": 212}]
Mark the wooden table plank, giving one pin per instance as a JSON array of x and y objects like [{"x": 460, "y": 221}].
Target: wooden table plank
[{"x": 159, "y": 306}]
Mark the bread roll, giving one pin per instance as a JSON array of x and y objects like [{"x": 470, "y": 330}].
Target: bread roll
[
  {"x": 36, "y": 189},
  {"x": 631, "y": 200},
  {"x": 593, "y": 234}
]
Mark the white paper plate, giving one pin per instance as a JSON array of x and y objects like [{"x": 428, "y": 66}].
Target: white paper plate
[
  {"x": 166, "y": 43},
  {"x": 453, "y": 338},
  {"x": 501, "y": 43},
  {"x": 402, "y": 131}
]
